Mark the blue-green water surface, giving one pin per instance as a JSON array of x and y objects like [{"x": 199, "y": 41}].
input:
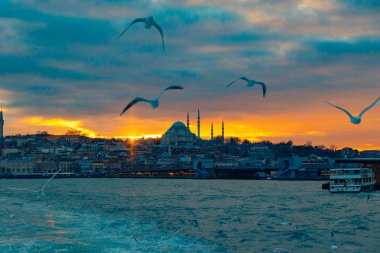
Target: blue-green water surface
[{"x": 175, "y": 215}]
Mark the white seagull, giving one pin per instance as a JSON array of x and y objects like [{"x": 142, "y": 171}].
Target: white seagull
[
  {"x": 153, "y": 102},
  {"x": 149, "y": 22},
  {"x": 353, "y": 119},
  {"x": 250, "y": 83},
  {"x": 39, "y": 192}
]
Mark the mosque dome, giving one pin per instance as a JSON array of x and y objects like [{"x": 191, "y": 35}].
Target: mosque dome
[
  {"x": 178, "y": 124},
  {"x": 178, "y": 135}
]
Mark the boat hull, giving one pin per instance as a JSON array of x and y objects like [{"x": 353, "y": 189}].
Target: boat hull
[{"x": 351, "y": 188}]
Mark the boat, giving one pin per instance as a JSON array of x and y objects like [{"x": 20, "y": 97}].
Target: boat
[{"x": 351, "y": 180}]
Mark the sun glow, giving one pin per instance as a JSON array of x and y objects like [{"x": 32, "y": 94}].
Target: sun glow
[
  {"x": 136, "y": 137},
  {"x": 58, "y": 122}
]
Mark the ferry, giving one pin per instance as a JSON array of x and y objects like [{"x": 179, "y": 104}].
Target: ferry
[{"x": 351, "y": 180}]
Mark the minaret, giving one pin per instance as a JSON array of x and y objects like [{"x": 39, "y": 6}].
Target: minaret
[
  {"x": 188, "y": 121},
  {"x": 199, "y": 125},
  {"x": 212, "y": 131},
  {"x": 223, "y": 132},
  {"x": 1, "y": 124}
]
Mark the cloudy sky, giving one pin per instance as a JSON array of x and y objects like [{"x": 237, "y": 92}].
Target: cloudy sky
[{"x": 62, "y": 67}]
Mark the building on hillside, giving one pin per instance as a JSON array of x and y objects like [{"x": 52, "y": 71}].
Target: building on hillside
[{"x": 178, "y": 135}]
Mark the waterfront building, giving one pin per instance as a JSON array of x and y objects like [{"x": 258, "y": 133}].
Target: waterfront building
[
  {"x": 67, "y": 166},
  {"x": 11, "y": 152},
  {"x": 98, "y": 166},
  {"x": 262, "y": 153},
  {"x": 46, "y": 167},
  {"x": 166, "y": 161},
  {"x": 86, "y": 166},
  {"x": 315, "y": 167},
  {"x": 16, "y": 167},
  {"x": 113, "y": 165}
]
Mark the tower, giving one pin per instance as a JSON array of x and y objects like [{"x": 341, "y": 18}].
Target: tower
[
  {"x": 199, "y": 125},
  {"x": 1, "y": 124},
  {"x": 223, "y": 132},
  {"x": 212, "y": 131},
  {"x": 188, "y": 121}
]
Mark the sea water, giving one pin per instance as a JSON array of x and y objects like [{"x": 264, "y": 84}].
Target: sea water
[{"x": 183, "y": 215}]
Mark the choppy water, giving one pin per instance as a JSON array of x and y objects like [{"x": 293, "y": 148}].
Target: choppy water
[{"x": 173, "y": 215}]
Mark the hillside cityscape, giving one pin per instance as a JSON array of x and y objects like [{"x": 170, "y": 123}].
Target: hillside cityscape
[{"x": 179, "y": 152}]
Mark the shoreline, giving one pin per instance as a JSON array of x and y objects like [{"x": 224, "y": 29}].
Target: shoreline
[{"x": 60, "y": 176}]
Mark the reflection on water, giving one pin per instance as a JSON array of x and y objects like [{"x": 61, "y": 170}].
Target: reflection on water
[{"x": 149, "y": 215}]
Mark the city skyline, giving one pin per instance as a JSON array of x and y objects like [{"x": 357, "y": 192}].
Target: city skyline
[
  {"x": 74, "y": 129},
  {"x": 63, "y": 69}
]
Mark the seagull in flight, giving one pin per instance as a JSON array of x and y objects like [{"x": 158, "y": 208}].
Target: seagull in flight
[
  {"x": 251, "y": 83},
  {"x": 153, "y": 102},
  {"x": 149, "y": 22},
  {"x": 353, "y": 119}
]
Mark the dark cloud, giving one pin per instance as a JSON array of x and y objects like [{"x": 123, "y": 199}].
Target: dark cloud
[
  {"x": 57, "y": 31},
  {"x": 78, "y": 67},
  {"x": 339, "y": 48},
  {"x": 31, "y": 65},
  {"x": 241, "y": 37},
  {"x": 362, "y": 4}
]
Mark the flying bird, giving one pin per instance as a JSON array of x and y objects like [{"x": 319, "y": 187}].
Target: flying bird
[
  {"x": 353, "y": 119},
  {"x": 153, "y": 102},
  {"x": 149, "y": 22},
  {"x": 250, "y": 83}
]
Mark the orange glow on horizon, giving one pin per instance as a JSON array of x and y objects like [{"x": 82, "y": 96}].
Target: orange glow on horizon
[
  {"x": 300, "y": 128},
  {"x": 136, "y": 137},
  {"x": 70, "y": 124}
]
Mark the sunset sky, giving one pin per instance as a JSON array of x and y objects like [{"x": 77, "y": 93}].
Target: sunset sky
[{"x": 62, "y": 67}]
